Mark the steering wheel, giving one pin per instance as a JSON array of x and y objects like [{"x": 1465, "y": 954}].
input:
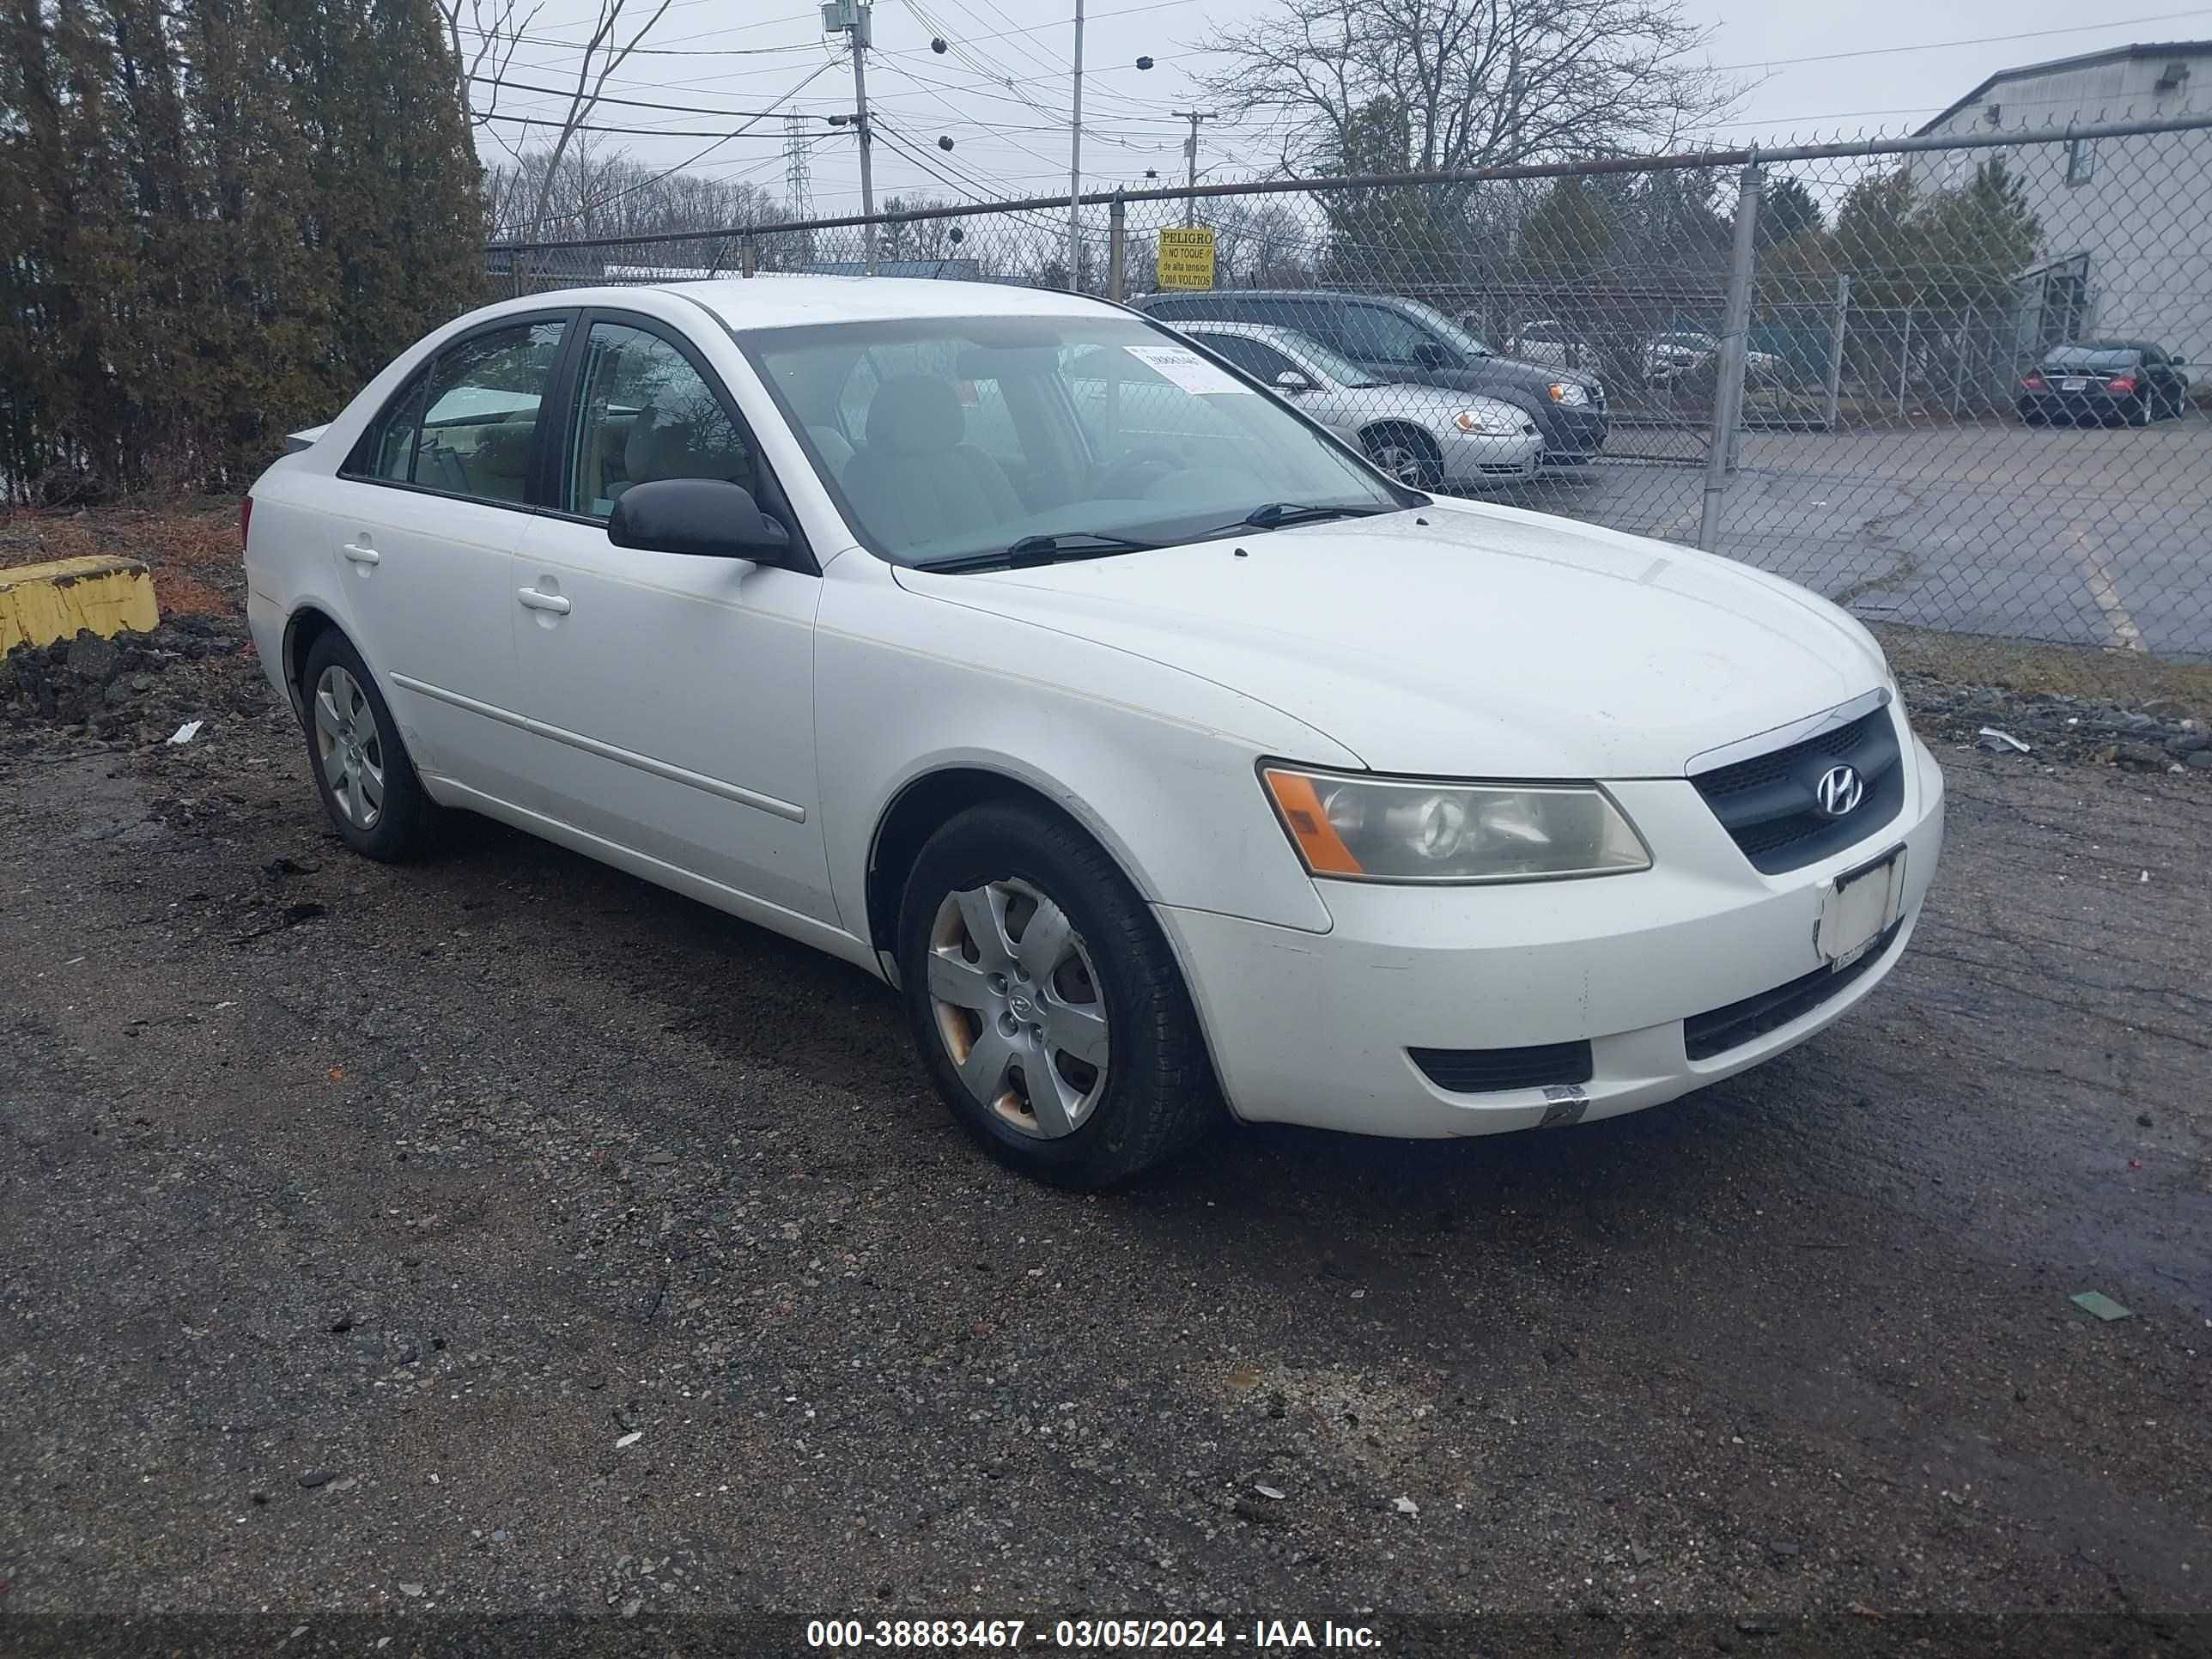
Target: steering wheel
[{"x": 1129, "y": 475}]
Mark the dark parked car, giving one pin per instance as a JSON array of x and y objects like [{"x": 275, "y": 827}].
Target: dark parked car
[
  {"x": 1403, "y": 340},
  {"x": 2105, "y": 381}
]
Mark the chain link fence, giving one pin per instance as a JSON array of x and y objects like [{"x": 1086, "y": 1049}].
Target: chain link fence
[{"x": 1959, "y": 383}]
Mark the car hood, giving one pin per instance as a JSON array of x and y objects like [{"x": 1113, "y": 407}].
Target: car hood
[
  {"x": 1463, "y": 640},
  {"x": 1512, "y": 371}
]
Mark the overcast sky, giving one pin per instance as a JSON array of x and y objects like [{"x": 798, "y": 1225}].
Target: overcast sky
[{"x": 1001, "y": 93}]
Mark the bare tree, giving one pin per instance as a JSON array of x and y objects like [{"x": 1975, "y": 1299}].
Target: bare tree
[
  {"x": 1471, "y": 83},
  {"x": 602, "y": 54},
  {"x": 600, "y": 191},
  {"x": 483, "y": 35}
]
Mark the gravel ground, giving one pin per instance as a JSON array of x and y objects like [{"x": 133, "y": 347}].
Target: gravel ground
[{"x": 381, "y": 1249}]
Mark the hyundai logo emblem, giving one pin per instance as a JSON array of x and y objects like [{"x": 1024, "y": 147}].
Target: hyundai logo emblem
[{"x": 1839, "y": 790}]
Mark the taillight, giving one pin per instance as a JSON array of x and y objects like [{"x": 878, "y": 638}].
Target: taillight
[
  {"x": 2034, "y": 383},
  {"x": 2121, "y": 383},
  {"x": 244, "y": 520}
]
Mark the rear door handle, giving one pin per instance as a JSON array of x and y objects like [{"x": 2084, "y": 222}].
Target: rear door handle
[
  {"x": 557, "y": 603},
  {"x": 361, "y": 554}
]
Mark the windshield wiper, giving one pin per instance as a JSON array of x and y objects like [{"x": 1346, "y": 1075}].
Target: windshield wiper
[
  {"x": 1276, "y": 514},
  {"x": 1054, "y": 547}
]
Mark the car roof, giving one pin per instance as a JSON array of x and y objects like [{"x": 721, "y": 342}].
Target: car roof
[
  {"x": 769, "y": 300},
  {"x": 1315, "y": 295},
  {"x": 1268, "y": 332}
]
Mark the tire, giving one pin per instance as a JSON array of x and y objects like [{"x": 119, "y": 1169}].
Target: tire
[
  {"x": 367, "y": 785},
  {"x": 978, "y": 888},
  {"x": 2140, "y": 415},
  {"x": 1406, "y": 453}
]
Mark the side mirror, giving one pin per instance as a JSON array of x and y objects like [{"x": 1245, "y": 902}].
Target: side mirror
[
  {"x": 705, "y": 517},
  {"x": 1292, "y": 382},
  {"x": 1430, "y": 355}
]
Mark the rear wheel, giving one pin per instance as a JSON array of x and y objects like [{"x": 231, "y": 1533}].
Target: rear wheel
[
  {"x": 1047, "y": 1007},
  {"x": 2138, "y": 411},
  {"x": 1406, "y": 453},
  {"x": 367, "y": 785}
]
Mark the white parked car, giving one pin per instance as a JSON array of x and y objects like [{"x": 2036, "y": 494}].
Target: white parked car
[
  {"x": 1428, "y": 436},
  {"x": 1549, "y": 340},
  {"x": 1670, "y": 356},
  {"x": 1157, "y": 775}
]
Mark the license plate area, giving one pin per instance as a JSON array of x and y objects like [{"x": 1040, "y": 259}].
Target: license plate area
[
  {"x": 1858, "y": 908},
  {"x": 2073, "y": 385}
]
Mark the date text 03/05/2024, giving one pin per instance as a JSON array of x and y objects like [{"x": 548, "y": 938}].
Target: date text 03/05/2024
[{"x": 924, "y": 1634}]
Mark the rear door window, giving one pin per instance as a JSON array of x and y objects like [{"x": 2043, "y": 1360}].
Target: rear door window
[{"x": 469, "y": 427}]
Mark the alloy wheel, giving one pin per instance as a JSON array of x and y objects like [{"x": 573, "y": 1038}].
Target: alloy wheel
[
  {"x": 1398, "y": 460},
  {"x": 1018, "y": 1007},
  {"x": 349, "y": 747}
]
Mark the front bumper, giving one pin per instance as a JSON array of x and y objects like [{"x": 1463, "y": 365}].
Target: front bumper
[
  {"x": 1316, "y": 1028},
  {"x": 1572, "y": 433},
  {"x": 1470, "y": 461}
]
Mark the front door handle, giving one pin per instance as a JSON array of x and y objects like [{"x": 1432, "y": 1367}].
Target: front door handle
[
  {"x": 362, "y": 555},
  {"x": 557, "y": 603}
]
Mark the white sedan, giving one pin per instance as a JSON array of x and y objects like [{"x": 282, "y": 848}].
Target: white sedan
[
  {"x": 1162, "y": 776},
  {"x": 1428, "y": 436}
]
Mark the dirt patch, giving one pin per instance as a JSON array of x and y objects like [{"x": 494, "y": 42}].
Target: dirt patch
[
  {"x": 192, "y": 546},
  {"x": 134, "y": 690},
  {"x": 2039, "y": 670}
]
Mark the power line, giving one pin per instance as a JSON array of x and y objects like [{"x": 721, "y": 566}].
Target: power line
[
  {"x": 555, "y": 121},
  {"x": 631, "y": 103},
  {"x": 1974, "y": 40}
]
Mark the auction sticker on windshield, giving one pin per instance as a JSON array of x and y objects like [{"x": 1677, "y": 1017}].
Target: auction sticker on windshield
[{"x": 1186, "y": 369}]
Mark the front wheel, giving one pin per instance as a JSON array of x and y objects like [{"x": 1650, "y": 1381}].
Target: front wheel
[
  {"x": 1406, "y": 454},
  {"x": 1047, "y": 1007}
]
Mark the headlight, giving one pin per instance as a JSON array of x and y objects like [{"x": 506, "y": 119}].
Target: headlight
[
  {"x": 1482, "y": 426},
  {"x": 1383, "y": 829},
  {"x": 1566, "y": 391}
]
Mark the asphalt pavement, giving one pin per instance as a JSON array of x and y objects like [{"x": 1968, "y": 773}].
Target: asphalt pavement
[
  {"x": 2080, "y": 536},
  {"x": 382, "y": 1250}
]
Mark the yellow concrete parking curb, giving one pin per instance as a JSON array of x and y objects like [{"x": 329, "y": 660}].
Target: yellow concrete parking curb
[{"x": 42, "y": 603}]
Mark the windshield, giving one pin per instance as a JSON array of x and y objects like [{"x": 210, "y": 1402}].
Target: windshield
[
  {"x": 944, "y": 439},
  {"x": 1457, "y": 338},
  {"x": 2097, "y": 359}
]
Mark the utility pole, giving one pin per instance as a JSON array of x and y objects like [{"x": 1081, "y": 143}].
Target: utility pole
[
  {"x": 1075, "y": 166},
  {"x": 852, "y": 18},
  {"x": 1190, "y": 149}
]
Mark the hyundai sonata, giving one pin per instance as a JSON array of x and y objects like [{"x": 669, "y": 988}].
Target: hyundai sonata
[{"x": 1166, "y": 754}]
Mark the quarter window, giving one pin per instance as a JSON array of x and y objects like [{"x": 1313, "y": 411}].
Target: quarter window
[
  {"x": 469, "y": 426},
  {"x": 646, "y": 414}
]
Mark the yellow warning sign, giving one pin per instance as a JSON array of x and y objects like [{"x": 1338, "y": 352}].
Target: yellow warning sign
[{"x": 1187, "y": 257}]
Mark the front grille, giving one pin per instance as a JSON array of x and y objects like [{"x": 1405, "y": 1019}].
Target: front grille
[
  {"x": 1486, "y": 1071},
  {"x": 1768, "y": 804},
  {"x": 1715, "y": 1032}
]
